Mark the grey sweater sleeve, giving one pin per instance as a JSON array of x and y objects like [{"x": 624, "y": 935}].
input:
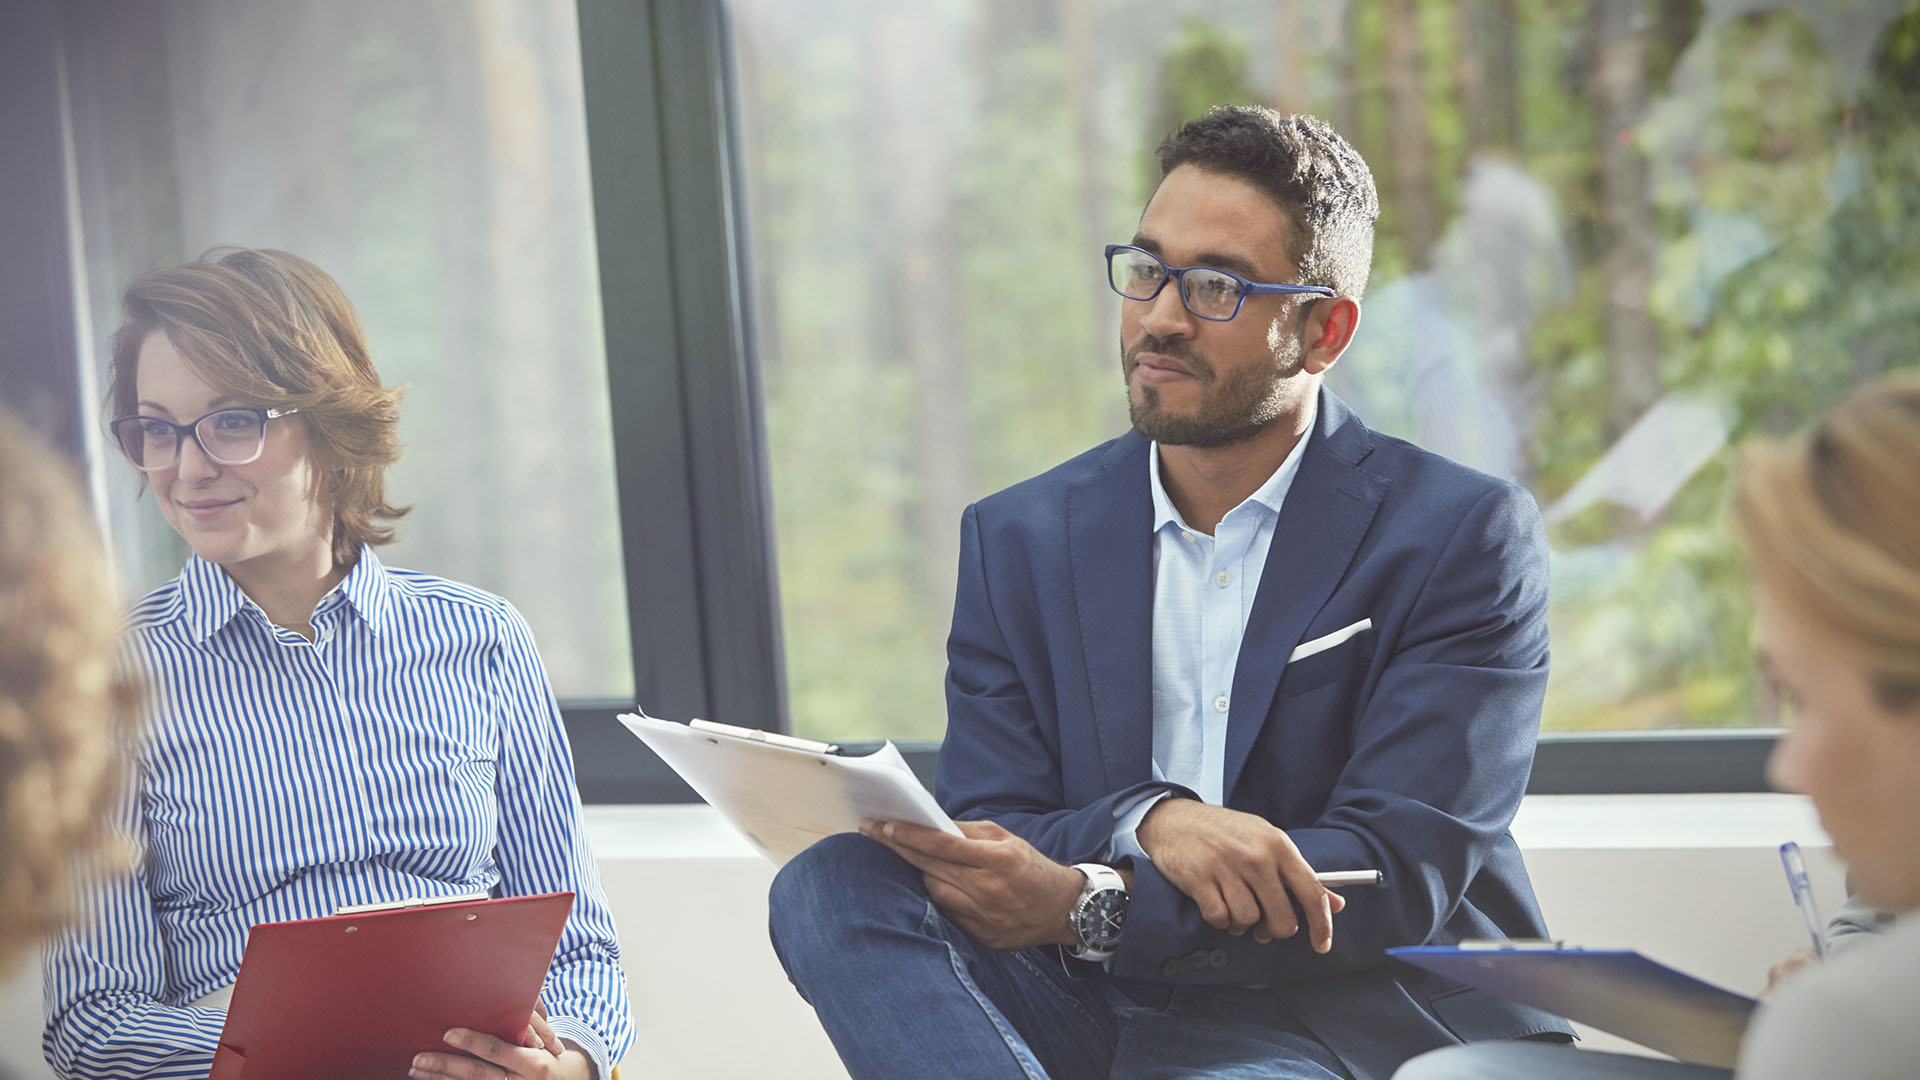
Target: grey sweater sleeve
[{"x": 1855, "y": 924}]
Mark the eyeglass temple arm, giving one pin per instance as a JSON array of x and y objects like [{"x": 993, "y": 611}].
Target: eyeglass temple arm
[{"x": 1303, "y": 290}]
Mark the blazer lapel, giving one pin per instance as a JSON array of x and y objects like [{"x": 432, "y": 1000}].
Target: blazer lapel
[
  {"x": 1110, "y": 549},
  {"x": 1327, "y": 512}
]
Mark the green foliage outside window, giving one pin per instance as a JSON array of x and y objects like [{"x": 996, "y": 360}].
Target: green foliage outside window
[{"x": 1599, "y": 217}]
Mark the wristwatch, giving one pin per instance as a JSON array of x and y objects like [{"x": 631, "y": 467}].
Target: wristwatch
[{"x": 1100, "y": 914}]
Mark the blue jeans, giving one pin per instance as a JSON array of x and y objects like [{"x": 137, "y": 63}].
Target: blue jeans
[{"x": 903, "y": 993}]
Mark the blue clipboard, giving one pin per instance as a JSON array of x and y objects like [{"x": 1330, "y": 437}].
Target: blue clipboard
[{"x": 1617, "y": 991}]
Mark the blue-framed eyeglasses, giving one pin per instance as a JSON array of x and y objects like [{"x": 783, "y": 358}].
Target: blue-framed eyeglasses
[
  {"x": 1211, "y": 294},
  {"x": 230, "y": 436}
]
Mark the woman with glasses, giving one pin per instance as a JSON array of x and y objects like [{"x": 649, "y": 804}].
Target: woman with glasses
[{"x": 325, "y": 730}]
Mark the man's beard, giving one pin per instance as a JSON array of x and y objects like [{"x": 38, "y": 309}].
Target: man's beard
[{"x": 1232, "y": 410}]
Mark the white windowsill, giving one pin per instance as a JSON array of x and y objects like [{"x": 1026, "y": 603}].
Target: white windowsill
[{"x": 1545, "y": 822}]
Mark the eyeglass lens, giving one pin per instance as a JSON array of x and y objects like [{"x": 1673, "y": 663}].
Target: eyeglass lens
[
  {"x": 1210, "y": 294},
  {"x": 230, "y": 437}
]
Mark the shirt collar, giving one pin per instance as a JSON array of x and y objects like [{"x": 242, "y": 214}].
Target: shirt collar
[
  {"x": 212, "y": 598},
  {"x": 209, "y": 597},
  {"x": 1271, "y": 494},
  {"x": 368, "y": 588}
]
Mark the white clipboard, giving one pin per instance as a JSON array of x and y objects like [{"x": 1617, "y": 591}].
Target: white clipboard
[{"x": 784, "y": 793}]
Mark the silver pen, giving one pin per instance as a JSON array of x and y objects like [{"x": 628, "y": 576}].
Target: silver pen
[{"x": 1333, "y": 879}]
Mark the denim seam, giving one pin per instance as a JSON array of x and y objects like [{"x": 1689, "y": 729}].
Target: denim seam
[
  {"x": 1046, "y": 978},
  {"x": 934, "y": 926}
]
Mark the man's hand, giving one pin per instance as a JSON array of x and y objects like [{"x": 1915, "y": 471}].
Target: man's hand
[
  {"x": 994, "y": 885},
  {"x": 541, "y": 1056},
  {"x": 1239, "y": 868}
]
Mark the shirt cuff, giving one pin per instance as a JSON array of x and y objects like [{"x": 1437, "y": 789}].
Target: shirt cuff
[
  {"x": 581, "y": 1037},
  {"x": 1127, "y": 817}
]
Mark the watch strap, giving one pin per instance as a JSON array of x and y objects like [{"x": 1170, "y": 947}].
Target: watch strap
[{"x": 1100, "y": 878}]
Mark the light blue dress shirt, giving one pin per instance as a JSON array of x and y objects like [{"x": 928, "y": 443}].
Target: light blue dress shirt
[
  {"x": 1203, "y": 590},
  {"x": 413, "y": 749}
]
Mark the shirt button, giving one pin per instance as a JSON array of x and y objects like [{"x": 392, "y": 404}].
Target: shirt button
[
  {"x": 1190, "y": 537},
  {"x": 1220, "y": 703},
  {"x": 1224, "y": 579}
]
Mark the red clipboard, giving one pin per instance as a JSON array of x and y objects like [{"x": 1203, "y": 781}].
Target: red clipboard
[{"x": 360, "y": 995}]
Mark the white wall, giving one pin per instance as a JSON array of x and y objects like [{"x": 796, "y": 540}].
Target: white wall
[{"x": 1693, "y": 881}]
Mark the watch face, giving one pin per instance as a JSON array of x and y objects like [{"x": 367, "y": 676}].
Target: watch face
[{"x": 1100, "y": 920}]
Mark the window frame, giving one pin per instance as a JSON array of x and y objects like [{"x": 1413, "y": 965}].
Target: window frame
[
  {"x": 689, "y": 443},
  {"x": 689, "y": 453},
  {"x": 39, "y": 286},
  {"x": 629, "y": 52}
]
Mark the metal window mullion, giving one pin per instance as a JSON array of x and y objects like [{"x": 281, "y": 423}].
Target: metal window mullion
[{"x": 688, "y": 446}]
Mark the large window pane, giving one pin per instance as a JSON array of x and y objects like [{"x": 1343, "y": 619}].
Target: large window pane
[
  {"x": 432, "y": 157},
  {"x": 1617, "y": 239}
]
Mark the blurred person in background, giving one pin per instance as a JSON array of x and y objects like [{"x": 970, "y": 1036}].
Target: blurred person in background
[
  {"x": 63, "y": 702},
  {"x": 324, "y": 730},
  {"x": 1831, "y": 524}
]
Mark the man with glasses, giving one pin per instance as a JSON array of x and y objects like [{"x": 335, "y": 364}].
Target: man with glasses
[{"x": 1192, "y": 671}]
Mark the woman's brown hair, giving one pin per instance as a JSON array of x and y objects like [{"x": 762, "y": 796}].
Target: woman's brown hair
[
  {"x": 1831, "y": 524},
  {"x": 271, "y": 329},
  {"x": 65, "y": 709}
]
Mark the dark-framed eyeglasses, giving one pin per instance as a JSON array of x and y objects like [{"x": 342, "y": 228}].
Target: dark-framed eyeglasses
[
  {"x": 232, "y": 436},
  {"x": 1210, "y": 293}
]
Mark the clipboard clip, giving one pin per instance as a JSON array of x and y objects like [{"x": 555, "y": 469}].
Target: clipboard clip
[
  {"x": 412, "y": 902},
  {"x": 771, "y": 738},
  {"x": 1510, "y": 945}
]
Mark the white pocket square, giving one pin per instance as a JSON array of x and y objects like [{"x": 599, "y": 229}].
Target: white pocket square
[{"x": 1327, "y": 641}]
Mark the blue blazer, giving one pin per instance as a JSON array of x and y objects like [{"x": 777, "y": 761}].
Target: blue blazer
[{"x": 1405, "y": 748}]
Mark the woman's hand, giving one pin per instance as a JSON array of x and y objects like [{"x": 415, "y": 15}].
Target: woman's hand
[
  {"x": 1778, "y": 973},
  {"x": 541, "y": 1056}
]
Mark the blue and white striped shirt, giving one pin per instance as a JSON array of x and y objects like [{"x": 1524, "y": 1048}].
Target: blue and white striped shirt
[{"x": 413, "y": 748}]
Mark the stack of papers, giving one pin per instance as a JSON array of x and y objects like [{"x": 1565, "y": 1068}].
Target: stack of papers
[{"x": 784, "y": 793}]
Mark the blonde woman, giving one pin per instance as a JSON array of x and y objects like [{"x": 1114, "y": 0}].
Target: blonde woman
[
  {"x": 1831, "y": 523},
  {"x": 325, "y": 730}
]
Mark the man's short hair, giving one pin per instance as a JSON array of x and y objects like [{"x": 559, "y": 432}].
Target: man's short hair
[{"x": 1319, "y": 180}]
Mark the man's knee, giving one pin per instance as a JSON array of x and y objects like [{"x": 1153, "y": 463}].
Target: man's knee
[
  {"x": 834, "y": 866},
  {"x": 837, "y": 884}
]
